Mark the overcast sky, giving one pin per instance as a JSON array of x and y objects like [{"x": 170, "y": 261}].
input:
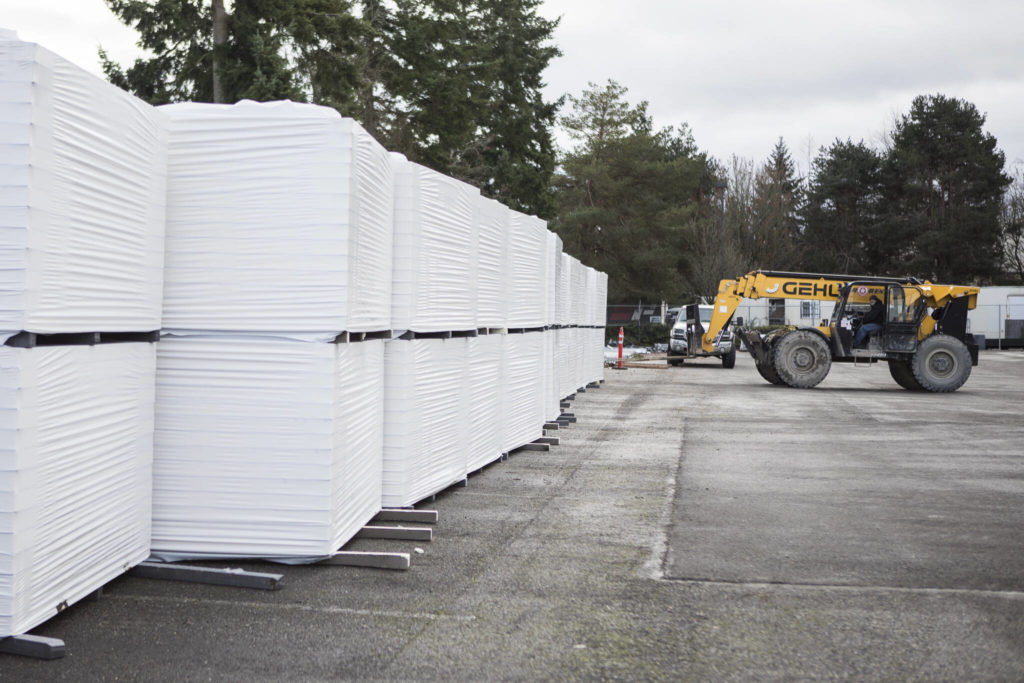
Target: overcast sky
[{"x": 740, "y": 73}]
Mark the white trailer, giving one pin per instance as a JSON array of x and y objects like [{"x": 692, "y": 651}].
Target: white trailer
[{"x": 999, "y": 317}]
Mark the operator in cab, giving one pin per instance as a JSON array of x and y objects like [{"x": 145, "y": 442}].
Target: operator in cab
[{"x": 871, "y": 322}]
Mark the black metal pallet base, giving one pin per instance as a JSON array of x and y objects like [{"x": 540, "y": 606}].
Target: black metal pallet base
[
  {"x": 349, "y": 337},
  {"x": 29, "y": 340},
  {"x": 449, "y": 334}
]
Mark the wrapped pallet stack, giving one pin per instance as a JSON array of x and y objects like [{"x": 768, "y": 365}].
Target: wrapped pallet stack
[
  {"x": 435, "y": 313},
  {"x": 525, "y": 369},
  {"x": 81, "y": 248},
  {"x": 269, "y": 406},
  {"x": 485, "y": 350}
]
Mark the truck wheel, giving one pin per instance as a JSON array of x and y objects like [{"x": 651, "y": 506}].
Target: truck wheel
[
  {"x": 729, "y": 360},
  {"x": 802, "y": 359},
  {"x": 767, "y": 370},
  {"x": 675, "y": 361},
  {"x": 941, "y": 364},
  {"x": 904, "y": 375}
]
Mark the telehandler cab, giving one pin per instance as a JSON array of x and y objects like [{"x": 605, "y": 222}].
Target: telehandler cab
[{"x": 923, "y": 335}]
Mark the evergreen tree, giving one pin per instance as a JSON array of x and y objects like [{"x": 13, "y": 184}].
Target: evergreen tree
[
  {"x": 628, "y": 194},
  {"x": 843, "y": 232},
  {"x": 943, "y": 188},
  {"x": 512, "y": 157},
  {"x": 250, "y": 60},
  {"x": 465, "y": 83},
  {"x": 773, "y": 240}
]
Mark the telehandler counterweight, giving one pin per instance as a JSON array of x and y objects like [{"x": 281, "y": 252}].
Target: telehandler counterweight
[{"x": 923, "y": 334}]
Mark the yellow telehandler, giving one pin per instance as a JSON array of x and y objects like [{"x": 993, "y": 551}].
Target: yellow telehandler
[{"x": 923, "y": 334}]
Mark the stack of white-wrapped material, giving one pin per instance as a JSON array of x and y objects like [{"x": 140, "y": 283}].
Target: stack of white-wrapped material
[
  {"x": 435, "y": 254},
  {"x": 492, "y": 262},
  {"x": 270, "y": 441},
  {"x": 76, "y": 450},
  {"x": 426, "y": 404},
  {"x": 578, "y": 285},
  {"x": 265, "y": 447},
  {"x": 597, "y": 342},
  {"x": 552, "y": 262},
  {"x": 82, "y": 193},
  {"x": 522, "y": 372},
  {"x": 279, "y": 222},
  {"x": 592, "y": 315},
  {"x": 527, "y": 287},
  {"x": 563, "y": 294},
  {"x": 563, "y": 365},
  {"x": 579, "y": 362},
  {"x": 484, "y": 386}
]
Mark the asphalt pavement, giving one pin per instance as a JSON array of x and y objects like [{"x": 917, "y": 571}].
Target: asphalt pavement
[{"x": 694, "y": 524}]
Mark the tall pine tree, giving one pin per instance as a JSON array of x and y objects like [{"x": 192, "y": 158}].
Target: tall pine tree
[
  {"x": 842, "y": 224},
  {"x": 944, "y": 184},
  {"x": 269, "y": 49},
  {"x": 772, "y": 242},
  {"x": 627, "y": 195}
]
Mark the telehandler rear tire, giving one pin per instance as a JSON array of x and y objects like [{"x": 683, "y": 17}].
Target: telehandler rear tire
[
  {"x": 941, "y": 363},
  {"x": 802, "y": 359},
  {"x": 904, "y": 375}
]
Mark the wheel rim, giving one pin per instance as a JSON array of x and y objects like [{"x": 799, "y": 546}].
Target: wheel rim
[
  {"x": 941, "y": 364},
  {"x": 803, "y": 358}
]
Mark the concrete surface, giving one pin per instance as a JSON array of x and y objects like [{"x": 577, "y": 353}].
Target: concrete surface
[{"x": 695, "y": 524}]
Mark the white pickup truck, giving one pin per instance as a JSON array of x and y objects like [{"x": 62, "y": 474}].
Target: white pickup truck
[{"x": 684, "y": 340}]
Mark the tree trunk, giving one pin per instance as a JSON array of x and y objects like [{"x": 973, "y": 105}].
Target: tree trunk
[{"x": 220, "y": 38}]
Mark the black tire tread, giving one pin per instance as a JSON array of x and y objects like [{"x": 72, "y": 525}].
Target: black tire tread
[
  {"x": 953, "y": 346},
  {"x": 792, "y": 375},
  {"x": 904, "y": 375}
]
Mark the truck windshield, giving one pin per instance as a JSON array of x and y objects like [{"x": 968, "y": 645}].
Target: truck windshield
[{"x": 705, "y": 315}]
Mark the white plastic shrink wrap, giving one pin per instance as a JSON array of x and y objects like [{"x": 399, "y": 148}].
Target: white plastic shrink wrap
[
  {"x": 595, "y": 354},
  {"x": 265, "y": 448},
  {"x": 426, "y": 414},
  {"x": 82, "y": 193},
  {"x": 563, "y": 301},
  {"x": 602, "y": 299},
  {"x": 371, "y": 236},
  {"x": 562, "y": 365},
  {"x": 484, "y": 386},
  {"x": 578, "y": 287},
  {"x": 528, "y": 246},
  {"x": 552, "y": 255},
  {"x": 578, "y": 354},
  {"x": 592, "y": 317},
  {"x": 435, "y": 252},
  {"x": 523, "y": 382},
  {"x": 76, "y": 452},
  {"x": 278, "y": 222},
  {"x": 551, "y": 399},
  {"x": 492, "y": 262}
]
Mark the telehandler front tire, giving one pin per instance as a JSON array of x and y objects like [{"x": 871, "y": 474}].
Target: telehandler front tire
[
  {"x": 768, "y": 372},
  {"x": 802, "y": 359},
  {"x": 941, "y": 364},
  {"x": 904, "y": 375}
]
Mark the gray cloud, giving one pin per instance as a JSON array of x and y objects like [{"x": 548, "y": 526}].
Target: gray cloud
[{"x": 744, "y": 72}]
